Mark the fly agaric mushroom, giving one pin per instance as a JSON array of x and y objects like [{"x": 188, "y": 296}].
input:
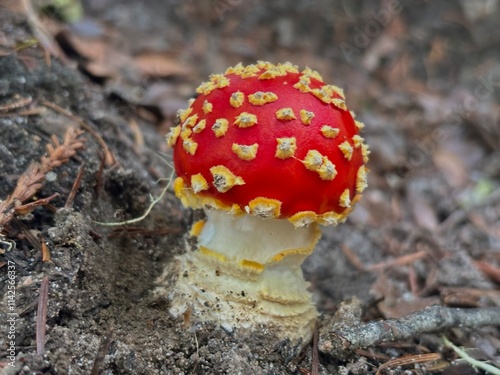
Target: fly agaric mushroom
[{"x": 269, "y": 152}]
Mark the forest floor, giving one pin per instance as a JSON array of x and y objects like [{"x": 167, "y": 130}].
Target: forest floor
[{"x": 424, "y": 77}]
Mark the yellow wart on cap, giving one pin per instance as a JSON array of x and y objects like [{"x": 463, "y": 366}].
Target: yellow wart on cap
[
  {"x": 365, "y": 152},
  {"x": 357, "y": 140},
  {"x": 184, "y": 113},
  {"x": 198, "y": 183},
  {"x": 173, "y": 135},
  {"x": 186, "y": 133},
  {"x": 359, "y": 125},
  {"x": 190, "y": 146},
  {"x": 285, "y": 114},
  {"x": 249, "y": 71},
  {"x": 206, "y": 88},
  {"x": 339, "y": 103},
  {"x": 338, "y": 91},
  {"x": 308, "y": 72},
  {"x": 237, "y": 69},
  {"x": 329, "y": 132},
  {"x": 220, "y": 127},
  {"x": 303, "y": 218},
  {"x": 361, "y": 179},
  {"x": 200, "y": 126},
  {"x": 346, "y": 149},
  {"x": 332, "y": 218},
  {"x": 207, "y": 107},
  {"x": 327, "y": 170},
  {"x": 190, "y": 121},
  {"x": 345, "y": 199},
  {"x": 261, "y": 98},
  {"x": 224, "y": 179},
  {"x": 306, "y": 116},
  {"x": 264, "y": 64},
  {"x": 264, "y": 207},
  {"x": 313, "y": 160},
  {"x": 273, "y": 72},
  {"x": 286, "y": 147},
  {"x": 322, "y": 95},
  {"x": 289, "y": 67},
  {"x": 245, "y": 152},
  {"x": 245, "y": 120},
  {"x": 219, "y": 80},
  {"x": 303, "y": 84},
  {"x": 237, "y": 98}
]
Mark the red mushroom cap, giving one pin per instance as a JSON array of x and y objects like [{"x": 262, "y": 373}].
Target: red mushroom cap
[{"x": 270, "y": 141}]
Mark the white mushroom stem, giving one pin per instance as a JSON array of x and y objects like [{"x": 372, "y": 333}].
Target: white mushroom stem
[{"x": 247, "y": 271}]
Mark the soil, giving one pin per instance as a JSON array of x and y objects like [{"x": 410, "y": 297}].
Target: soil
[{"x": 423, "y": 77}]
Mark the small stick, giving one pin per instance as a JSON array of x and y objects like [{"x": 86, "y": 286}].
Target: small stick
[
  {"x": 41, "y": 316},
  {"x": 315, "y": 352},
  {"x": 45, "y": 251},
  {"x": 18, "y": 103},
  {"x": 399, "y": 261},
  {"x": 75, "y": 187},
  {"x": 338, "y": 342}
]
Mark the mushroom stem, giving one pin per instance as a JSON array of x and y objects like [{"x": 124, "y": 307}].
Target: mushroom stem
[{"x": 247, "y": 271}]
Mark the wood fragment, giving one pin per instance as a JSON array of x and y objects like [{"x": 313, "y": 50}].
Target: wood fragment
[
  {"x": 29, "y": 207},
  {"x": 41, "y": 316},
  {"x": 45, "y": 251},
  {"x": 339, "y": 342},
  {"x": 399, "y": 261},
  {"x": 17, "y": 103},
  {"x": 315, "y": 352},
  {"x": 75, "y": 187}
]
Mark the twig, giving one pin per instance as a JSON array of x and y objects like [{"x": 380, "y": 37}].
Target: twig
[
  {"x": 75, "y": 187},
  {"x": 472, "y": 361},
  {"x": 45, "y": 251},
  {"x": 18, "y": 102},
  {"x": 399, "y": 261},
  {"x": 315, "y": 352},
  {"x": 41, "y": 316},
  {"x": 338, "y": 342}
]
